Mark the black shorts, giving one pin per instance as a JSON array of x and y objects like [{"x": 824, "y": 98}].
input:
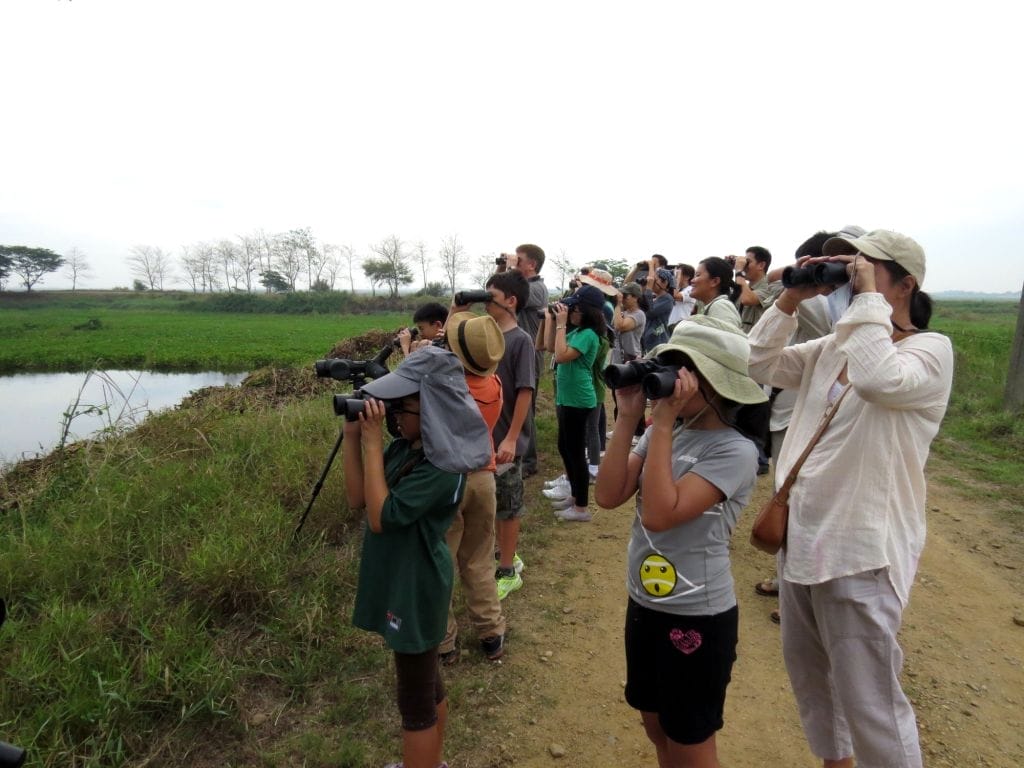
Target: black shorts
[{"x": 679, "y": 667}]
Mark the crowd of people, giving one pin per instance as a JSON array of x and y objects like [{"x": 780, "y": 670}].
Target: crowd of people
[{"x": 720, "y": 371}]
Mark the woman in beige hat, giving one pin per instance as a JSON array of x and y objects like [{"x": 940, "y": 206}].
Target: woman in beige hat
[
  {"x": 692, "y": 473},
  {"x": 857, "y": 509}
]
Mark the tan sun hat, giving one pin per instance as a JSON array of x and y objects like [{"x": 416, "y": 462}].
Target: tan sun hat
[
  {"x": 602, "y": 280},
  {"x": 883, "y": 245},
  {"x": 721, "y": 354},
  {"x": 477, "y": 341}
]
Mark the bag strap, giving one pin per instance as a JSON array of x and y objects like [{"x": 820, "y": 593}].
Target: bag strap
[{"x": 826, "y": 418}]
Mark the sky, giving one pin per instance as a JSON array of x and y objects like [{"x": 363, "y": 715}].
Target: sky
[{"x": 597, "y": 130}]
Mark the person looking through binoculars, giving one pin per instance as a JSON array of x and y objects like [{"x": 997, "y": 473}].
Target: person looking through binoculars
[{"x": 410, "y": 492}]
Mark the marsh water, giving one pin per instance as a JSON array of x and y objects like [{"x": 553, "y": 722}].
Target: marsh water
[{"x": 32, "y": 405}]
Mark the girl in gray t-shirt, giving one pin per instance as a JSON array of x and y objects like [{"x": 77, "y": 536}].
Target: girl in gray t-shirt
[{"x": 692, "y": 473}]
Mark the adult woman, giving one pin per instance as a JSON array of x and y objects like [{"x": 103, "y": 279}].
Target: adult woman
[
  {"x": 410, "y": 492},
  {"x": 714, "y": 288},
  {"x": 857, "y": 515},
  {"x": 575, "y": 397},
  {"x": 693, "y": 472}
]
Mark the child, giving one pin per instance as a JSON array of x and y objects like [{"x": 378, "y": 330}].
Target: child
[
  {"x": 429, "y": 322},
  {"x": 479, "y": 344},
  {"x": 410, "y": 492},
  {"x": 693, "y": 472}
]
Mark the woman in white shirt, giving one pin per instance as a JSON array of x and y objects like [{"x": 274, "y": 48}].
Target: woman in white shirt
[{"x": 857, "y": 510}]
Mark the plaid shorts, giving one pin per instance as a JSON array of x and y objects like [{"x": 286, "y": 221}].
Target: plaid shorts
[{"x": 508, "y": 487}]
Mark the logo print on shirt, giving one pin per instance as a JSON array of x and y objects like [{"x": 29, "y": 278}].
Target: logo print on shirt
[
  {"x": 394, "y": 621},
  {"x": 687, "y": 642},
  {"x": 657, "y": 575}
]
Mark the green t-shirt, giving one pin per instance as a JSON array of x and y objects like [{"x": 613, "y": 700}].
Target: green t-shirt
[
  {"x": 405, "y": 574},
  {"x": 575, "y": 378}
]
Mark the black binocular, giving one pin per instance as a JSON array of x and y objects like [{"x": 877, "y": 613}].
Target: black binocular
[
  {"x": 658, "y": 379},
  {"x": 825, "y": 273}
]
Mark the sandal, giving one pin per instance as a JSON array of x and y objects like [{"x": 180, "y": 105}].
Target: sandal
[
  {"x": 775, "y": 616},
  {"x": 767, "y": 588}
]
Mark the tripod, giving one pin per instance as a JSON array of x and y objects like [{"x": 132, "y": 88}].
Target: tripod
[{"x": 10, "y": 755}]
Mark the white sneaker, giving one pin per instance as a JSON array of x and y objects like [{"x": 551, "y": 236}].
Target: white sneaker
[
  {"x": 557, "y": 481},
  {"x": 574, "y": 514},
  {"x": 608, "y": 435},
  {"x": 558, "y": 493},
  {"x": 593, "y": 469},
  {"x": 561, "y": 504}
]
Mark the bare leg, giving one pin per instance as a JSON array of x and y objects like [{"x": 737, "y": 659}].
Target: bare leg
[
  {"x": 508, "y": 538},
  {"x": 671, "y": 754},
  {"x": 846, "y": 762}
]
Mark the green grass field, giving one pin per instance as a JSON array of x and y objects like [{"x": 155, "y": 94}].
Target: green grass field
[
  {"x": 144, "y": 332},
  {"x": 160, "y": 613}
]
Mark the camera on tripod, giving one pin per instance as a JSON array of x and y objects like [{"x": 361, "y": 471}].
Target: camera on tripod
[{"x": 342, "y": 369}]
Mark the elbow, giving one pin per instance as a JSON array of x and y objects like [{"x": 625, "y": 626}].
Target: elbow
[
  {"x": 375, "y": 525},
  {"x": 654, "y": 523}
]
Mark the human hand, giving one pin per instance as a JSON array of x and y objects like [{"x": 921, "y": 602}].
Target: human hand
[
  {"x": 561, "y": 313},
  {"x": 506, "y": 451},
  {"x": 631, "y": 401},
  {"x": 666, "y": 409},
  {"x": 371, "y": 422}
]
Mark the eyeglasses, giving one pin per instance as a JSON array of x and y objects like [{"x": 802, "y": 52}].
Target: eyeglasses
[{"x": 397, "y": 410}]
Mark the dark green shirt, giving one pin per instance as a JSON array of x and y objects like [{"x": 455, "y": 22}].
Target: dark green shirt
[{"x": 405, "y": 575}]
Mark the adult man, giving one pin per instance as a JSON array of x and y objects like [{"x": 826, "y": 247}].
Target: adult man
[
  {"x": 529, "y": 260},
  {"x": 660, "y": 285},
  {"x": 684, "y": 302},
  {"x": 756, "y": 292}
]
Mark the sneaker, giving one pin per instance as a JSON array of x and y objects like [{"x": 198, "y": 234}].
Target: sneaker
[
  {"x": 559, "y": 504},
  {"x": 508, "y": 583},
  {"x": 449, "y": 658},
  {"x": 608, "y": 435},
  {"x": 562, "y": 486},
  {"x": 493, "y": 647},
  {"x": 593, "y": 468},
  {"x": 517, "y": 563},
  {"x": 557, "y": 493},
  {"x": 557, "y": 481},
  {"x": 574, "y": 514}
]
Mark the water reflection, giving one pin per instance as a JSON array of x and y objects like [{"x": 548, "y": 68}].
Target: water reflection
[{"x": 32, "y": 404}]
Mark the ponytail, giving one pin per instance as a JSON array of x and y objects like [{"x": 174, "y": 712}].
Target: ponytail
[
  {"x": 722, "y": 269},
  {"x": 920, "y": 308}
]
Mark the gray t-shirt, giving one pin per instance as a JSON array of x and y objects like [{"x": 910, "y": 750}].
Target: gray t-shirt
[
  {"x": 685, "y": 570},
  {"x": 627, "y": 343},
  {"x": 517, "y": 370},
  {"x": 529, "y": 316}
]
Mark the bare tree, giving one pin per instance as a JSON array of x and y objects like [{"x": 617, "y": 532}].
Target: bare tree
[
  {"x": 248, "y": 259},
  {"x": 331, "y": 264},
  {"x": 227, "y": 261},
  {"x": 482, "y": 267},
  {"x": 266, "y": 250},
  {"x": 453, "y": 259},
  {"x": 350, "y": 258},
  {"x": 76, "y": 267},
  {"x": 422, "y": 258},
  {"x": 151, "y": 264},
  {"x": 290, "y": 254},
  {"x": 563, "y": 267}
]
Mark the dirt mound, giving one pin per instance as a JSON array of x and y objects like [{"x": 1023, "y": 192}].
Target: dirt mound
[{"x": 363, "y": 347}]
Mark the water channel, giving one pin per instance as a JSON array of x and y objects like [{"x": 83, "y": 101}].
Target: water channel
[{"x": 32, "y": 405}]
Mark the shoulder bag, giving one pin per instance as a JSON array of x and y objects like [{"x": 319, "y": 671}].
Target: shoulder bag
[{"x": 769, "y": 530}]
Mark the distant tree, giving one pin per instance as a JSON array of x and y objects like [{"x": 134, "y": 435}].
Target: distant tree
[
  {"x": 563, "y": 267},
  {"x": 227, "y": 263},
  {"x": 151, "y": 264},
  {"x": 390, "y": 268},
  {"x": 320, "y": 286},
  {"x": 453, "y": 259},
  {"x": 422, "y": 258},
  {"x": 482, "y": 268},
  {"x": 5, "y": 267},
  {"x": 618, "y": 268},
  {"x": 350, "y": 258},
  {"x": 138, "y": 285},
  {"x": 275, "y": 282},
  {"x": 433, "y": 289},
  {"x": 30, "y": 264},
  {"x": 76, "y": 267},
  {"x": 248, "y": 259},
  {"x": 290, "y": 251}
]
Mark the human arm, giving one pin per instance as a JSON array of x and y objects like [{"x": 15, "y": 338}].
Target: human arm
[
  {"x": 375, "y": 488},
  {"x": 669, "y": 502},
  {"x": 506, "y": 451},
  {"x": 545, "y": 340},
  {"x": 563, "y": 353},
  {"x": 620, "y": 467},
  {"x": 622, "y": 322}
]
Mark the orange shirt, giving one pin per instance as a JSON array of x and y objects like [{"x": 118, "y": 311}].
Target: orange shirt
[{"x": 486, "y": 391}]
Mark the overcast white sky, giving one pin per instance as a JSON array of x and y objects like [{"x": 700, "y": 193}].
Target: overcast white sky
[{"x": 609, "y": 130}]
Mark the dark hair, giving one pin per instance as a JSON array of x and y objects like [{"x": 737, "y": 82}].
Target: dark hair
[
  {"x": 661, "y": 259},
  {"x": 687, "y": 270},
  {"x": 762, "y": 255},
  {"x": 432, "y": 312},
  {"x": 722, "y": 269},
  {"x": 593, "y": 318},
  {"x": 511, "y": 283},
  {"x": 920, "y": 302},
  {"x": 814, "y": 245},
  {"x": 535, "y": 252}
]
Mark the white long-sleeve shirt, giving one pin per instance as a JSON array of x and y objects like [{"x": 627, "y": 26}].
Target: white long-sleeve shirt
[{"x": 859, "y": 500}]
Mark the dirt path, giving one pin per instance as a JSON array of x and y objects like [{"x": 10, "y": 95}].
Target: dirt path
[{"x": 561, "y": 686}]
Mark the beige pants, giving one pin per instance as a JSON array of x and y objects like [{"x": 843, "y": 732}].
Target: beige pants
[
  {"x": 471, "y": 542},
  {"x": 839, "y": 643}
]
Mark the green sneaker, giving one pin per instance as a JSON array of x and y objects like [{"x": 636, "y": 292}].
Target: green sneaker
[
  {"x": 517, "y": 563},
  {"x": 508, "y": 583}
]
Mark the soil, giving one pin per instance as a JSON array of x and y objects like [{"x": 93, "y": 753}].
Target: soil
[{"x": 559, "y": 690}]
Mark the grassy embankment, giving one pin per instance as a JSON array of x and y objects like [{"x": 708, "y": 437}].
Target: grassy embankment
[{"x": 161, "y": 613}]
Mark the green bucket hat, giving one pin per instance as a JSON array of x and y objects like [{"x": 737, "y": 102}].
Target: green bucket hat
[{"x": 720, "y": 352}]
